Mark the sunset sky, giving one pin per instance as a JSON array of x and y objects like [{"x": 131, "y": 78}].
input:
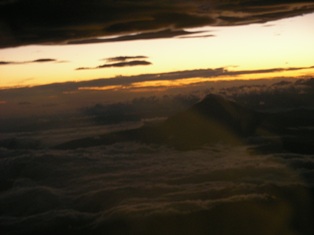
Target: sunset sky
[{"x": 182, "y": 36}]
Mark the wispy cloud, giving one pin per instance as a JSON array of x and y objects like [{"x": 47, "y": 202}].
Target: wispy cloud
[
  {"x": 198, "y": 36},
  {"x": 167, "y": 33},
  {"x": 119, "y": 64},
  {"x": 121, "y": 61},
  {"x": 43, "y": 60},
  {"x": 5, "y": 62},
  {"x": 125, "y": 58},
  {"x": 35, "y": 22}
]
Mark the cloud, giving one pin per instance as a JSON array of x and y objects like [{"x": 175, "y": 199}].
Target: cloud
[
  {"x": 198, "y": 36},
  {"x": 126, "y": 81},
  {"x": 118, "y": 64},
  {"x": 25, "y": 22},
  {"x": 186, "y": 74},
  {"x": 8, "y": 62},
  {"x": 121, "y": 61},
  {"x": 272, "y": 70},
  {"x": 167, "y": 33},
  {"x": 123, "y": 64},
  {"x": 43, "y": 60},
  {"x": 132, "y": 187},
  {"x": 125, "y": 58}
]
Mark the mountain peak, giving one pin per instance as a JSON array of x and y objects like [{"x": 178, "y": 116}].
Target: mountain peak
[
  {"x": 226, "y": 111},
  {"x": 213, "y": 120}
]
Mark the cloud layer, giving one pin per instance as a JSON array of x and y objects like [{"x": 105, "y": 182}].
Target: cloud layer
[
  {"x": 24, "y": 22},
  {"x": 135, "y": 189},
  {"x": 172, "y": 76}
]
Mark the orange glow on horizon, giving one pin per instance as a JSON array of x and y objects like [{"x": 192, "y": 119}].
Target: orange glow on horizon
[
  {"x": 102, "y": 88},
  {"x": 163, "y": 84}
]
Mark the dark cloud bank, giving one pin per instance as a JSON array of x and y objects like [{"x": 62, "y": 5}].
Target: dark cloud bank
[
  {"x": 222, "y": 166},
  {"x": 24, "y": 22}
]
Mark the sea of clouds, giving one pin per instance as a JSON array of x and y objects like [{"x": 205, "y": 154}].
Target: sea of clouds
[{"x": 132, "y": 188}]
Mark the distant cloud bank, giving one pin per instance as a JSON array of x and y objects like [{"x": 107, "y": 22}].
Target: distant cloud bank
[{"x": 172, "y": 76}]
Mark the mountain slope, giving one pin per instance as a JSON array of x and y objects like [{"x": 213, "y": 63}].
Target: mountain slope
[{"x": 213, "y": 120}]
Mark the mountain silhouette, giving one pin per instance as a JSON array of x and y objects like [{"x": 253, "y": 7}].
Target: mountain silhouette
[{"x": 213, "y": 120}]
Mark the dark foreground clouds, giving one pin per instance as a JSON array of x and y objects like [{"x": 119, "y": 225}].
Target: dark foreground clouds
[
  {"x": 137, "y": 189},
  {"x": 24, "y": 22}
]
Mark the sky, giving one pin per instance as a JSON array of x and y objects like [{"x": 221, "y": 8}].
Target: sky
[{"x": 43, "y": 43}]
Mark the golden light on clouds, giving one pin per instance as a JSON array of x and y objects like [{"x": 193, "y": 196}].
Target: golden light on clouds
[
  {"x": 225, "y": 75},
  {"x": 101, "y": 88}
]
